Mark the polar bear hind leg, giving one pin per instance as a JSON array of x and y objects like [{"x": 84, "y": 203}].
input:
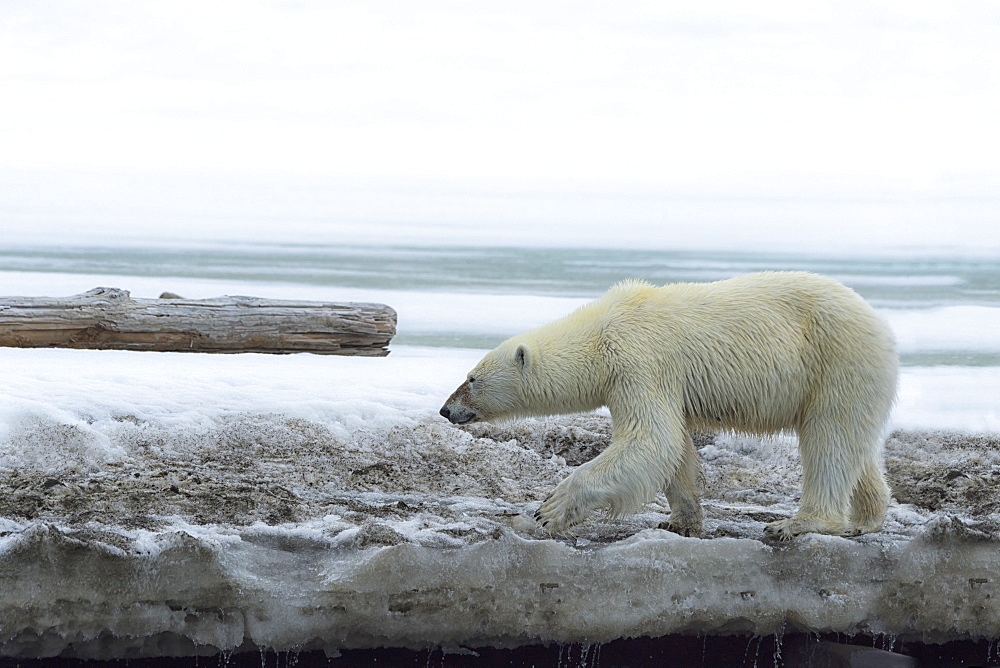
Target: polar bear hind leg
[
  {"x": 837, "y": 447},
  {"x": 869, "y": 500}
]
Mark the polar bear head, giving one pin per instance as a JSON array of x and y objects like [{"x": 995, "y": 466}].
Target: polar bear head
[
  {"x": 495, "y": 389},
  {"x": 547, "y": 371}
]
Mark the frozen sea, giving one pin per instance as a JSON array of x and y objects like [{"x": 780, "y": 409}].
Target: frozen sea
[
  {"x": 456, "y": 301},
  {"x": 163, "y": 504}
]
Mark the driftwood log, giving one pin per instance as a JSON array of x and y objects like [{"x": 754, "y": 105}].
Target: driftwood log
[{"x": 108, "y": 318}]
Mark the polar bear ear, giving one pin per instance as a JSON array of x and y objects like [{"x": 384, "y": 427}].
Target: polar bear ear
[{"x": 523, "y": 356}]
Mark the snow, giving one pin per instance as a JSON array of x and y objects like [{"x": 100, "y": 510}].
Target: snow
[
  {"x": 945, "y": 397},
  {"x": 176, "y": 504},
  {"x": 971, "y": 328}
]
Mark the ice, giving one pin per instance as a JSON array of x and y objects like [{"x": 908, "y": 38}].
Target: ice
[
  {"x": 171, "y": 504},
  {"x": 965, "y": 329}
]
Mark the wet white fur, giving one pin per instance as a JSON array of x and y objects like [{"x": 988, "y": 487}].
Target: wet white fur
[{"x": 759, "y": 354}]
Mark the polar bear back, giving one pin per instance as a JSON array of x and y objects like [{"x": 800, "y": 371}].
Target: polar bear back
[{"x": 755, "y": 353}]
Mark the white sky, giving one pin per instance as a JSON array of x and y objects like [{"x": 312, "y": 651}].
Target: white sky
[{"x": 878, "y": 117}]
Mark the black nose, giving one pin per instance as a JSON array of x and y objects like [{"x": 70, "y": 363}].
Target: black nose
[{"x": 445, "y": 413}]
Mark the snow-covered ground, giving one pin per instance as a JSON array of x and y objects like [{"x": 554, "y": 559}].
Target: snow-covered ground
[
  {"x": 158, "y": 503},
  {"x": 177, "y": 504}
]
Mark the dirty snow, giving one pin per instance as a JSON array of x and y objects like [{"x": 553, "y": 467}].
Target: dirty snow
[{"x": 159, "y": 504}]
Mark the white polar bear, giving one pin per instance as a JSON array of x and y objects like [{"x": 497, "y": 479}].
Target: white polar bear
[{"x": 759, "y": 354}]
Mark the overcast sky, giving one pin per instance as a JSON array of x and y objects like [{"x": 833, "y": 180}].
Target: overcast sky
[{"x": 438, "y": 113}]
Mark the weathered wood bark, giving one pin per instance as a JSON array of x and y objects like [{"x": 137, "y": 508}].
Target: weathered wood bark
[{"x": 108, "y": 318}]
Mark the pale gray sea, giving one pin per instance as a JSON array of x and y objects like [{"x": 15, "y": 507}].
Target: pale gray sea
[{"x": 946, "y": 309}]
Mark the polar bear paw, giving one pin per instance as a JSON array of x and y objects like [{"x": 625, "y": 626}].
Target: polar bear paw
[
  {"x": 686, "y": 526},
  {"x": 784, "y": 531},
  {"x": 569, "y": 504}
]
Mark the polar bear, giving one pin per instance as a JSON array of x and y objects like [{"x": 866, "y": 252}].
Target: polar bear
[{"x": 759, "y": 354}]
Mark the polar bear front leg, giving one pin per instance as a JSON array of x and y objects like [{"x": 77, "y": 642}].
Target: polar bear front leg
[
  {"x": 625, "y": 476},
  {"x": 573, "y": 500}
]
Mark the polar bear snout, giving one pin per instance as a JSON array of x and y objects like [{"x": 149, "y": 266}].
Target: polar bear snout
[
  {"x": 457, "y": 414},
  {"x": 456, "y": 408}
]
